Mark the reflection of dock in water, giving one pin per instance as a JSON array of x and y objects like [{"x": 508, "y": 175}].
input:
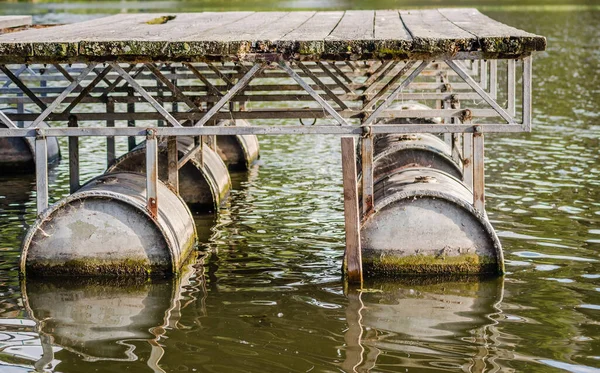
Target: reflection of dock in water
[
  {"x": 110, "y": 320},
  {"x": 422, "y": 319}
]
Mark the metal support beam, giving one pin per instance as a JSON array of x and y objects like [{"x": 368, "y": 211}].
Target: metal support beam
[
  {"x": 110, "y": 140},
  {"x": 527, "y": 87},
  {"x": 73, "y": 157},
  {"x": 239, "y": 86},
  {"x": 468, "y": 160},
  {"x": 510, "y": 87},
  {"x": 131, "y": 122},
  {"x": 152, "y": 172},
  {"x": 139, "y": 89},
  {"x": 352, "y": 255},
  {"x": 41, "y": 172},
  {"x": 367, "y": 175},
  {"x": 388, "y": 101},
  {"x": 284, "y": 66},
  {"x": 467, "y": 78},
  {"x": 172, "y": 159},
  {"x": 478, "y": 172},
  {"x": 58, "y": 100}
]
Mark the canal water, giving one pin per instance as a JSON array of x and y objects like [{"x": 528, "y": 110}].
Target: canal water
[{"x": 264, "y": 293}]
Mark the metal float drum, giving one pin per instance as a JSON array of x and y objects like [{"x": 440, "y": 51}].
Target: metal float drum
[
  {"x": 238, "y": 152},
  {"x": 105, "y": 228},
  {"x": 424, "y": 223},
  {"x": 395, "y": 152},
  {"x": 203, "y": 181},
  {"x": 17, "y": 154}
]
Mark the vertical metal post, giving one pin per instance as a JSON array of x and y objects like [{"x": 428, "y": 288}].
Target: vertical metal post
[
  {"x": 73, "y": 157},
  {"x": 494, "y": 79},
  {"x": 131, "y": 121},
  {"x": 484, "y": 75},
  {"x": 367, "y": 174},
  {"x": 478, "y": 171},
  {"x": 352, "y": 255},
  {"x": 152, "y": 172},
  {"x": 41, "y": 171},
  {"x": 510, "y": 87},
  {"x": 175, "y": 105},
  {"x": 159, "y": 94},
  {"x": 468, "y": 159},
  {"x": 172, "y": 159},
  {"x": 527, "y": 65},
  {"x": 110, "y": 140}
]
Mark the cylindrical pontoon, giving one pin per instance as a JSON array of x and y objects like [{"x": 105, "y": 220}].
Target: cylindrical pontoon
[
  {"x": 395, "y": 152},
  {"x": 238, "y": 152},
  {"x": 17, "y": 154},
  {"x": 203, "y": 181},
  {"x": 105, "y": 229},
  {"x": 424, "y": 223}
]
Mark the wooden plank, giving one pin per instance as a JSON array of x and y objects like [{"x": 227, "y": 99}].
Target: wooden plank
[
  {"x": 352, "y": 255},
  {"x": 494, "y": 36},
  {"x": 15, "y": 21},
  {"x": 59, "y": 42},
  {"x": 179, "y": 37},
  {"x": 309, "y": 38},
  {"x": 354, "y": 34},
  {"x": 434, "y": 34},
  {"x": 392, "y": 38},
  {"x": 238, "y": 37}
]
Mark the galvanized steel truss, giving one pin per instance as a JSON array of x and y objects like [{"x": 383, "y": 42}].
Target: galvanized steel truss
[{"x": 471, "y": 96}]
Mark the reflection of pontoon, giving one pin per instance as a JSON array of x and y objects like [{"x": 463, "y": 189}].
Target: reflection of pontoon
[
  {"x": 109, "y": 320},
  {"x": 422, "y": 320}
]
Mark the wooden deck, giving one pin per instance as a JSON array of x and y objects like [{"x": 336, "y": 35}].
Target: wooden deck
[
  {"x": 14, "y": 21},
  {"x": 335, "y": 35}
]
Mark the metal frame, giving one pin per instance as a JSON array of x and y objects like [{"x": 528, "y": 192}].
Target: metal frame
[{"x": 358, "y": 98}]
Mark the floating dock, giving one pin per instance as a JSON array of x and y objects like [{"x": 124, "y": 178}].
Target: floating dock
[{"x": 202, "y": 75}]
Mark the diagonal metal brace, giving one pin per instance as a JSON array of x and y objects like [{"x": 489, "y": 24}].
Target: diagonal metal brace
[
  {"x": 74, "y": 84},
  {"x": 324, "y": 104},
  {"x": 388, "y": 101},
  {"x": 139, "y": 89},
  {"x": 240, "y": 85},
  {"x": 484, "y": 95}
]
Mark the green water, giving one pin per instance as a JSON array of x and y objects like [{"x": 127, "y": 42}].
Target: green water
[{"x": 265, "y": 293}]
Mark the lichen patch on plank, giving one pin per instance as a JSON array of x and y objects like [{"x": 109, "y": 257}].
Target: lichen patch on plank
[{"x": 161, "y": 20}]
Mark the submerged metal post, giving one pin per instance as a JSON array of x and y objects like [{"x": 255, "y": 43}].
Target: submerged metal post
[
  {"x": 172, "y": 159},
  {"x": 41, "y": 171},
  {"x": 527, "y": 71},
  {"x": 130, "y": 121},
  {"x": 352, "y": 255},
  {"x": 110, "y": 140},
  {"x": 478, "y": 171},
  {"x": 152, "y": 172},
  {"x": 468, "y": 159},
  {"x": 73, "y": 157},
  {"x": 367, "y": 174}
]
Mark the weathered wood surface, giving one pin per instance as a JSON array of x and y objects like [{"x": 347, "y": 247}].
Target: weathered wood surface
[
  {"x": 14, "y": 21},
  {"x": 418, "y": 34}
]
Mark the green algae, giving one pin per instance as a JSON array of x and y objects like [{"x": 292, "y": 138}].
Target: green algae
[
  {"x": 161, "y": 20},
  {"x": 392, "y": 265}
]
